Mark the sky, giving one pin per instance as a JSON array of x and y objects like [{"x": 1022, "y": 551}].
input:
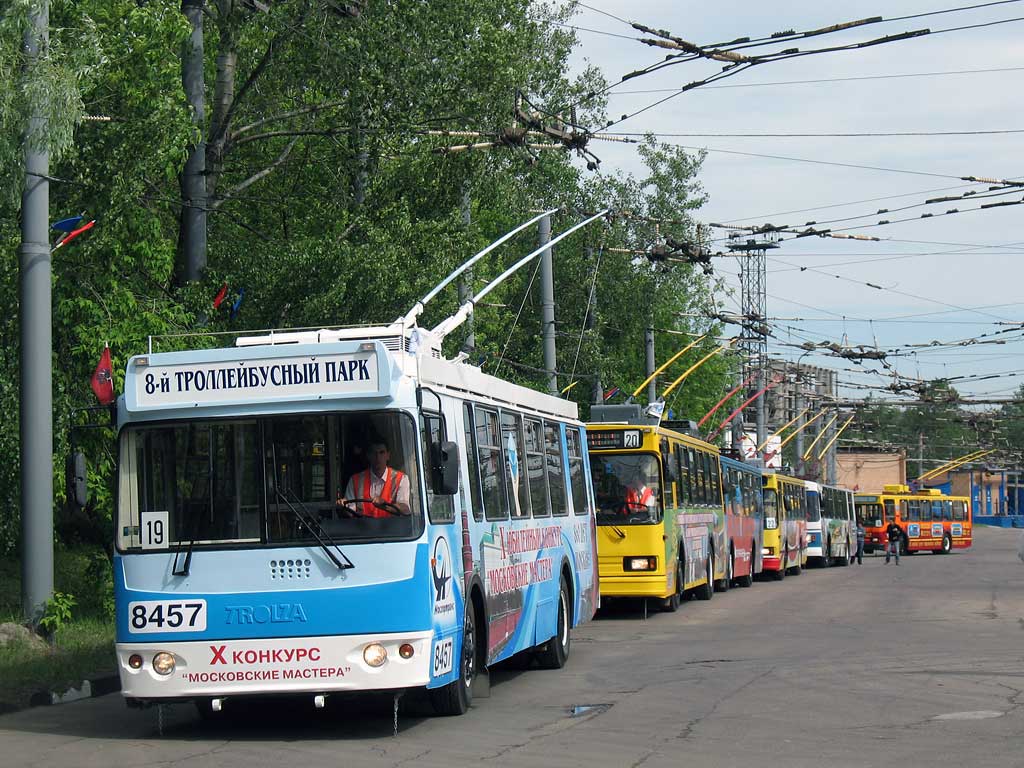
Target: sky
[{"x": 946, "y": 278}]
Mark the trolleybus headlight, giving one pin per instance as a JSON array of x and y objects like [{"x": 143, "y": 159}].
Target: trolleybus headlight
[
  {"x": 640, "y": 563},
  {"x": 406, "y": 651},
  {"x": 375, "y": 654},
  {"x": 163, "y": 663},
  {"x": 135, "y": 661}
]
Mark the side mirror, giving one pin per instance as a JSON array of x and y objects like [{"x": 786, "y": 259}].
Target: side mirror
[
  {"x": 444, "y": 474},
  {"x": 75, "y": 479}
]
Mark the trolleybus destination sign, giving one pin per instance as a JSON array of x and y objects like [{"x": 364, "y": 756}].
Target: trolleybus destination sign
[{"x": 225, "y": 381}]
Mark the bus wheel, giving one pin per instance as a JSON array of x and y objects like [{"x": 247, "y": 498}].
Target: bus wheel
[
  {"x": 555, "y": 651},
  {"x": 455, "y": 698},
  {"x": 707, "y": 590},
  {"x": 947, "y": 544},
  {"x": 726, "y": 581},
  {"x": 671, "y": 603},
  {"x": 781, "y": 573},
  {"x": 748, "y": 580}
]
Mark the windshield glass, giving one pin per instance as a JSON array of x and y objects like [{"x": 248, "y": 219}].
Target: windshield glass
[
  {"x": 870, "y": 515},
  {"x": 250, "y": 481},
  {"x": 628, "y": 488}
]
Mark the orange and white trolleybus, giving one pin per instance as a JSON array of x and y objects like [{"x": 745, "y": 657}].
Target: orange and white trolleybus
[{"x": 930, "y": 520}]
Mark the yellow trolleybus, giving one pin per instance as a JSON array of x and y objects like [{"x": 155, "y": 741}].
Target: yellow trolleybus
[
  {"x": 785, "y": 524},
  {"x": 660, "y": 522}
]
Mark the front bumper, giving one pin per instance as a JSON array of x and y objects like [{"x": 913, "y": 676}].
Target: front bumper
[{"x": 280, "y": 665}]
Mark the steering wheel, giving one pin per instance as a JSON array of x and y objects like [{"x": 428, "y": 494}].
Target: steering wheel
[{"x": 387, "y": 506}]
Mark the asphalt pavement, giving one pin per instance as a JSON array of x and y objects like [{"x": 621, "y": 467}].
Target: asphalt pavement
[{"x": 876, "y": 665}]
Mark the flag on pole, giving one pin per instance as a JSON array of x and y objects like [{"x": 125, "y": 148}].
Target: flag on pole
[
  {"x": 103, "y": 378},
  {"x": 237, "y": 304},
  {"x": 611, "y": 393},
  {"x": 68, "y": 224},
  {"x": 221, "y": 295},
  {"x": 73, "y": 234}
]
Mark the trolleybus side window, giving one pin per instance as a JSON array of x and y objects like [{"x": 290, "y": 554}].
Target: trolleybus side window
[
  {"x": 947, "y": 510},
  {"x": 441, "y": 509},
  {"x": 716, "y": 487},
  {"x": 491, "y": 470},
  {"x": 576, "y": 477},
  {"x": 890, "y": 511},
  {"x": 556, "y": 473},
  {"x": 535, "y": 468},
  {"x": 472, "y": 464},
  {"x": 684, "y": 476},
  {"x": 958, "y": 510},
  {"x": 515, "y": 465}
]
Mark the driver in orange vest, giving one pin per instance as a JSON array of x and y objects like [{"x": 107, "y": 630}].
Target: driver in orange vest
[
  {"x": 638, "y": 497},
  {"x": 387, "y": 488}
]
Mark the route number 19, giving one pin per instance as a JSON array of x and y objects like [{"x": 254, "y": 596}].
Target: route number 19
[{"x": 154, "y": 530}]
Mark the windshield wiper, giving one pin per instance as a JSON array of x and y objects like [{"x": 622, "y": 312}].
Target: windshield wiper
[
  {"x": 194, "y": 534},
  {"x": 312, "y": 524}
]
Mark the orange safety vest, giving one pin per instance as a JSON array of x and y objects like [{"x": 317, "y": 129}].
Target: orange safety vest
[
  {"x": 392, "y": 480},
  {"x": 636, "y": 498}
]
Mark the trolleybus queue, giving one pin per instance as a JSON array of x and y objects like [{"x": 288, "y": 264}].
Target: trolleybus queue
[{"x": 242, "y": 569}]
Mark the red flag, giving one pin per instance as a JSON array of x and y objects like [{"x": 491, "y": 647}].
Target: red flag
[
  {"x": 219, "y": 298},
  {"x": 103, "y": 379}
]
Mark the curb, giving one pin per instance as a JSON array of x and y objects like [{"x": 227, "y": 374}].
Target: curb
[{"x": 89, "y": 689}]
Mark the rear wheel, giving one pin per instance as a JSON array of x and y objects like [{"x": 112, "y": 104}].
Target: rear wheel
[
  {"x": 671, "y": 603},
  {"x": 947, "y": 544},
  {"x": 707, "y": 590},
  {"x": 455, "y": 698},
  {"x": 555, "y": 651},
  {"x": 748, "y": 580}
]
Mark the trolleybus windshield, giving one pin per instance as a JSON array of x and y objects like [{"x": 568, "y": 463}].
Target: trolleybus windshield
[
  {"x": 248, "y": 482},
  {"x": 628, "y": 488}
]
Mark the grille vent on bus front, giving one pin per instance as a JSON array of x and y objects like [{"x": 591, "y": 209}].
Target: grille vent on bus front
[{"x": 289, "y": 569}]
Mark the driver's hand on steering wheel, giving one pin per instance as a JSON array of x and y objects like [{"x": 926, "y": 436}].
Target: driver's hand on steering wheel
[{"x": 343, "y": 508}]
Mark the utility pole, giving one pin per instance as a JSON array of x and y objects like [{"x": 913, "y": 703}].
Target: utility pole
[
  {"x": 192, "y": 240},
  {"x": 798, "y": 405},
  {"x": 36, "y": 423},
  {"x": 920, "y": 453},
  {"x": 547, "y": 298},
  {"x": 652, "y": 385},
  {"x": 833, "y": 470},
  {"x": 753, "y": 339}
]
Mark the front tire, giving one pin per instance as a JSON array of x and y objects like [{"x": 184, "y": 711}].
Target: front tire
[
  {"x": 456, "y": 697},
  {"x": 726, "y": 582},
  {"x": 781, "y": 573},
  {"x": 555, "y": 651}
]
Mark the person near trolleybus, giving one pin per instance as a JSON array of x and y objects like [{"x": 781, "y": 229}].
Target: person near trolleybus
[
  {"x": 386, "y": 488},
  {"x": 895, "y": 534},
  {"x": 639, "y": 497},
  {"x": 860, "y": 542}
]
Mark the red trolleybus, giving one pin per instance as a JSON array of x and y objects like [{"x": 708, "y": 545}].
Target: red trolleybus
[{"x": 930, "y": 520}]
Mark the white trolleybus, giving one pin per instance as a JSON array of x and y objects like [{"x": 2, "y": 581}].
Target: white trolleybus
[{"x": 253, "y": 557}]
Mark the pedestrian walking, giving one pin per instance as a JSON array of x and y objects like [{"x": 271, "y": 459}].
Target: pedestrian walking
[
  {"x": 895, "y": 535},
  {"x": 860, "y": 543}
]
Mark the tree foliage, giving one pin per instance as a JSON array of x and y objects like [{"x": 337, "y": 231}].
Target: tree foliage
[{"x": 328, "y": 201}]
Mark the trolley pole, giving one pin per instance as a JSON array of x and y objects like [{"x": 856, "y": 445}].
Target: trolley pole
[
  {"x": 466, "y": 281},
  {"x": 596, "y": 387},
  {"x": 36, "y": 346},
  {"x": 547, "y": 298}
]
